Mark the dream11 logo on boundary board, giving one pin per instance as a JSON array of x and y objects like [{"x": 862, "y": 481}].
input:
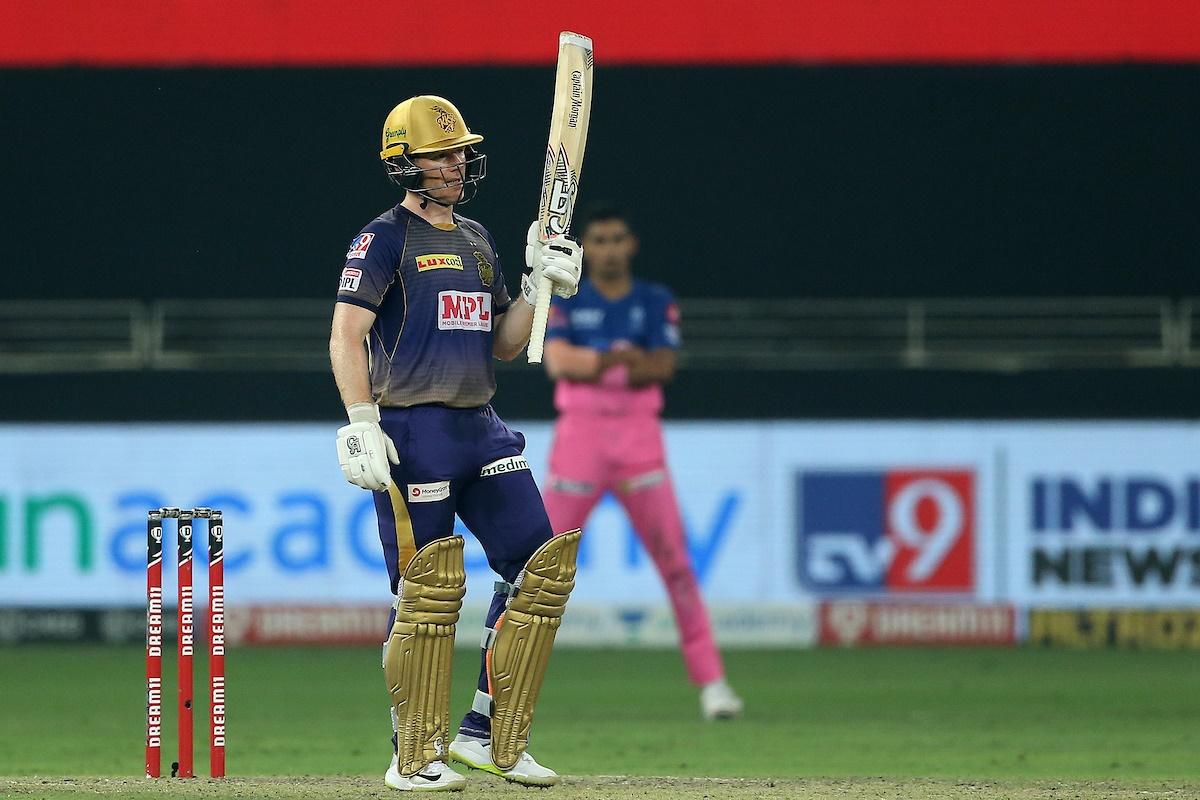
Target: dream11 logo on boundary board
[{"x": 886, "y": 531}]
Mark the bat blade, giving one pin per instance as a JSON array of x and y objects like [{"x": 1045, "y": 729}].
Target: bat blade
[{"x": 564, "y": 160}]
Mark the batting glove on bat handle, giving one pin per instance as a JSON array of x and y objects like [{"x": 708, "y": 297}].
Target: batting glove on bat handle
[
  {"x": 364, "y": 450},
  {"x": 559, "y": 259}
]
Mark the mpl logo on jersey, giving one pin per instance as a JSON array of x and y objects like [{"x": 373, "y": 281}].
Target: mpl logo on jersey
[
  {"x": 893, "y": 531},
  {"x": 464, "y": 311}
]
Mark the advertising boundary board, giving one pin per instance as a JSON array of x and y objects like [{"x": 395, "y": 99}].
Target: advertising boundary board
[{"x": 778, "y": 515}]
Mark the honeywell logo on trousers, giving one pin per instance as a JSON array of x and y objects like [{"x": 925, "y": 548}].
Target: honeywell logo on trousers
[
  {"x": 464, "y": 311},
  {"x": 503, "y": 465}
]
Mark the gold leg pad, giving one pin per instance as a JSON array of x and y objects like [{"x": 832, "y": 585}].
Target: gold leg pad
[
  {"x": 524, "y": 636},
  {"x": 420, "y": 650}
]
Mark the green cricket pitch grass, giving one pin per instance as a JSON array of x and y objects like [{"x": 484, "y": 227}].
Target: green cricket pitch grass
[{"x": 919, "y": 723}]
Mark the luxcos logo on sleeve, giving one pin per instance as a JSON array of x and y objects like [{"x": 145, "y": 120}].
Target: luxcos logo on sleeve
[
  {"x": 886, "y": 531},
  {"x": 464, "y": 311}
]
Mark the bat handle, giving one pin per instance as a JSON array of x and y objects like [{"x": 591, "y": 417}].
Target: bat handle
[{"x": 541, "y": 313}]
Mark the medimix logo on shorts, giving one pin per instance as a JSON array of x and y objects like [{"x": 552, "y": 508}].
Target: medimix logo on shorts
[
  {"x": 464, "y": 311},
  {"x": 504, "y": 465},
  {"x": 428, "y": 492}
]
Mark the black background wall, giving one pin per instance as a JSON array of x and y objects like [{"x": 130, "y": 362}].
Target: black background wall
[
  {"x": 816, "y": 181},
  {"x": 837, "y": 181}
]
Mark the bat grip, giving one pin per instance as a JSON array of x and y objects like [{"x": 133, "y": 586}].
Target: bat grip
[{"x": 541, "y": 313}]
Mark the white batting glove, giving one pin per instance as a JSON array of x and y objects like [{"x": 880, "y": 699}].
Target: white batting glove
[
  {"x": 560, "y": 259},
  {"x": 364, "y": 450}
]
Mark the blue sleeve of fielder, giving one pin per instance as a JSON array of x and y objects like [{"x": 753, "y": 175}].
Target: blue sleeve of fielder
[{"x": 662, "y": 320}]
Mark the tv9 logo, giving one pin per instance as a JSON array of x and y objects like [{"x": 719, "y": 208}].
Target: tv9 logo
[{"x": 886, "y": 531}]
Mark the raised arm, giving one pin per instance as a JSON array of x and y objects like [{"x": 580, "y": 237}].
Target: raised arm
[
  {"x": 560, "y": 260},
  {"x": 512, "y": 330}
]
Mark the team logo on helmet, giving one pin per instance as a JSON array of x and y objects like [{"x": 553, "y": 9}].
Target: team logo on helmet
[
  {"x": 445, "y": 119},
  {"x": 486, "y": 273}
]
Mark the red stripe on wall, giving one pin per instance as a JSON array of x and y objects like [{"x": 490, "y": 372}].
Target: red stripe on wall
[{"x": 357, "y": 32}]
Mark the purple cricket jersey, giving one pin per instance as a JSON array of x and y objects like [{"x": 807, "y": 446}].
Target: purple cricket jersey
[{"x": 436, "y": 291}]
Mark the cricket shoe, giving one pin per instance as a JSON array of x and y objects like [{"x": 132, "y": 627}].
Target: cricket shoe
[
  {"x": 477, "y": 754},
  {"x": 435, "y": 777},
  {"x": 718, "y": 701}
]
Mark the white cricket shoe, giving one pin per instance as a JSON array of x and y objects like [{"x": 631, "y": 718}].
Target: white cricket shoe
[
  {"x": 718, "y": 701},
  {"x": 436, "y": 777},
  {"x": 477, "y": 754}
]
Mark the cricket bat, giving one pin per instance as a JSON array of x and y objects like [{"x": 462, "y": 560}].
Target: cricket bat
[{"x": 564, "y": 160}]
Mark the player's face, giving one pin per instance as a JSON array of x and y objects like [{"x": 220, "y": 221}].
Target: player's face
[
  {"x": 609, "y": 247},
  {"x": 445, "y": 172}
]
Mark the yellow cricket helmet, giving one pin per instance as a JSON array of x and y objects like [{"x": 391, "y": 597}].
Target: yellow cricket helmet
[
  {"x": 429, "y": 124},
  {"x": 425, "y": 124}
]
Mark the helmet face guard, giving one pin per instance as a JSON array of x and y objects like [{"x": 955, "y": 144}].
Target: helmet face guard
[{"x": 408, "y": 176}]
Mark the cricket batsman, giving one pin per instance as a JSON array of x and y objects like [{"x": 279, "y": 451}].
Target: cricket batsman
[
  {"x": 421, "y": 311},
  {"x": 610, "y": 348}
]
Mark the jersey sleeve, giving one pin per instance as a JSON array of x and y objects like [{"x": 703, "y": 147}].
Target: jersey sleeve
[
  {"x": 558, "y": 324},
  {"x": 500, "y": 297},
  {"x": 662, "y": 329},
  {"x": 370, "y": 268}
]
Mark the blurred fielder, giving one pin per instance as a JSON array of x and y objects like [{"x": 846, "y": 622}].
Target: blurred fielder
[
  {"x": 422, "y": 287},
  {"x": 610, "y": 348}
]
